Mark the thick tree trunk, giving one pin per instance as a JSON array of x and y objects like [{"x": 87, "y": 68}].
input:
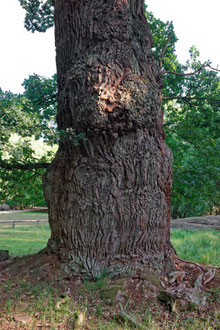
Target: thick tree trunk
[{"x": 109, "y": 196}]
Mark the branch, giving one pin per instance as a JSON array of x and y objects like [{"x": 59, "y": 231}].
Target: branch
[
  {"x": 184, "y": 74},
  {"x": 214, "y": 69},
  {"x": 44, "y": 99},
  {"x": 165, "y": 48},
  {"x": 24, "y": 167},
  {"x": 196, "y": 146},
  {"x": 187, "y": 98},
  {"x": 192, "y": 73}
]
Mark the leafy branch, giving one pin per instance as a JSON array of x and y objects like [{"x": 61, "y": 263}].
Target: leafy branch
[
  {"x": 189, "y": 98},
  {"x": 166, "y": 45},
  {"x": 206, "y": 65},
  {"x": 19, "y": 166}
]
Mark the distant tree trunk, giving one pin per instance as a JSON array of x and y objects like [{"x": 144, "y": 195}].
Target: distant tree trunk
[{"x": 109, "y": 196}]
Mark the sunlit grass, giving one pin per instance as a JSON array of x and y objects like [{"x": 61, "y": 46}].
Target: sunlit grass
[
  {"x": 24, "y": 239},
  {"x": 197, "y": 246},
  {"x": 29, "y": 215},
  {"x": 38, "y": 300}
]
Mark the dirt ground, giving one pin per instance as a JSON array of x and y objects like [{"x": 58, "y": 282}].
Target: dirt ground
[{"x": 189, "y": 293}]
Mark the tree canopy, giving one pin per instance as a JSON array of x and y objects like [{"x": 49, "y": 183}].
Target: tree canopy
[
  {"x": 39, "y": 14},
  {"x": 191, "y": 120}
]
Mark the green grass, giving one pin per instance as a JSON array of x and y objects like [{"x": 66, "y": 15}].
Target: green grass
[
  {"x": 30, "y": 215},
  {"x": 197, "y": 246},
  {"x": 38, "y": 300},
  {"x": 45, "y": 306},
  {"x": 24, "y": 239}
]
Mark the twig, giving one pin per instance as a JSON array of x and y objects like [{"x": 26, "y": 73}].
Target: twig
[
  {"x": 189, "y": 98},
  {"x": 165, "y": 47},
  {"x": 187, "y": 140}
]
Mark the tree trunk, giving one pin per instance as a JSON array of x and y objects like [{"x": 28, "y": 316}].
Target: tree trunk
[{"x": 108, "y": 196}]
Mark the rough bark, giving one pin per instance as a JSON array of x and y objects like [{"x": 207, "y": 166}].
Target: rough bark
[{"x": 109, "y": 196}]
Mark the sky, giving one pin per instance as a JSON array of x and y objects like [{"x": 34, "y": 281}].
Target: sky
[{"x": 196, "y": 22}]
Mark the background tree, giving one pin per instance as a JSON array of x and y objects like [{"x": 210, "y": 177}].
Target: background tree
[
  {"x": 192, "y": 122},
  {"x": 28, "y": 139},
  {"x": 187, "y": 108},
  {"x": 191, "y": 104}
]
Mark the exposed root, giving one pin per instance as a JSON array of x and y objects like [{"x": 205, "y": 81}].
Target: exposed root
[
  {"x": 40, "y": 263},
  {"x": 182, "y": 264}
]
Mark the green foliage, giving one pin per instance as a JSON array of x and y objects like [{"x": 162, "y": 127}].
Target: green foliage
[
  {"x": 28, "y": 135},
  {"x": 39, "y": 14},
  {"x": 191, "y": 105},
  {"x": 191, "y": 125},
  {"x": 22, "y": 188},
  {"x": 12, "y": 117},
  {"x": 32, "y": 113},
  {"x": 41, "y": 96}
]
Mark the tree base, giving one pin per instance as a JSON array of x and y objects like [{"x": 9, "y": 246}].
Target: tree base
[
  {"x": 117, "y": 266},
  {"x": 189, "y": 281},
  {"x": 109, "y": 204},
  {"x": 131, "y": 301}
]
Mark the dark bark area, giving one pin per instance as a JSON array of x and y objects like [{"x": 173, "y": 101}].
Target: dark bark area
[{"x": 109, "y": 197}]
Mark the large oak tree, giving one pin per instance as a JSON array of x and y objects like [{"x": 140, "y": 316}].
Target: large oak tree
[
  {"x": 190, "y": 97},
  {"x": 108, "y": 196}
]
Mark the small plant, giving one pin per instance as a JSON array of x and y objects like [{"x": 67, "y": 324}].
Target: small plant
[
  {"x": 147, "y": 316},
  {"x": 69, "y": 134},
  {"x": 99, "y": 309},
  {"x": 9, "y": 305},
  {"x": 100, "y": 282}
]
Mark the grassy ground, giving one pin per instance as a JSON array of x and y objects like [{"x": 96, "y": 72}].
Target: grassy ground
[
  {"x": 34, "y": 304},
  {"x": 41, "y": 300},
  {"x": 27, "y": 215},
  {"x": 23, "y": 239},
  {"x": 197, "y": 246}
]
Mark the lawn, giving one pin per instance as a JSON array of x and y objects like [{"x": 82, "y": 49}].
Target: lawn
[
  {"x": 197, "y": 246},
  {"x": 22, "y": 239},
  {"x": 41, "y": 301},
  {"x": 26, "y": 215}
]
